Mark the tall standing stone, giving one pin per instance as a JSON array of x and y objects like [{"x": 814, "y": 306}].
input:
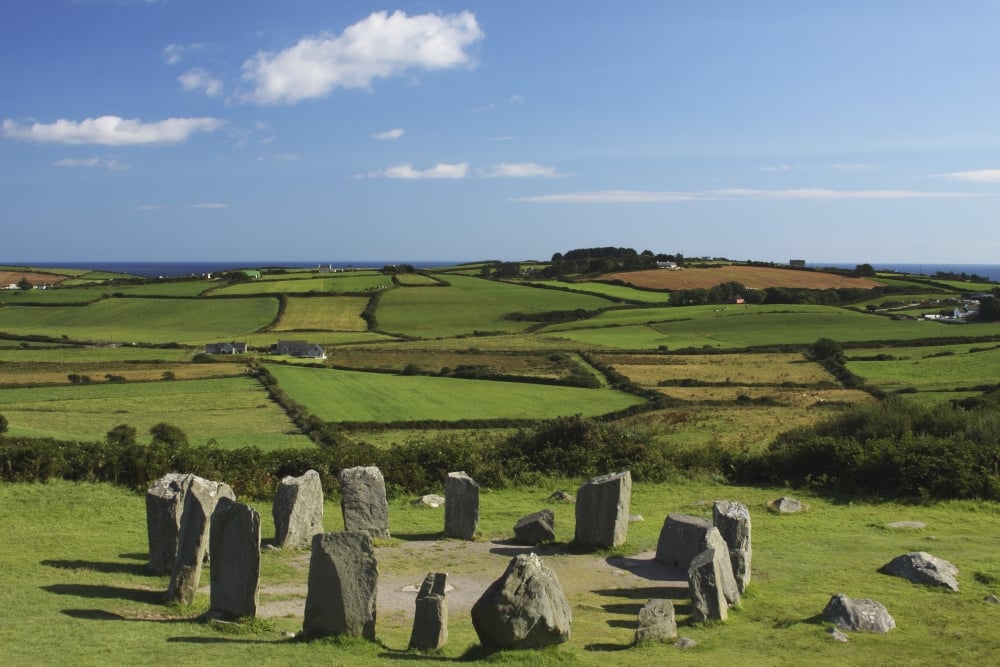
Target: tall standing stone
[
  {"x": 523, "y": 609},
  {"x": 343, "y": 586},
  {"x": 164, "y": 506},
  {"x": 430, "y": 621},
  {"x": 461, "y": 506},
  {"x": 733, "y": 521},
  {"x": 192, "y": 540},
  {"x": 235, "y": 540},
  {"x": 298, "y": 510},
  {"x": 363, "y": 501},
  {"x": 708, "y": 601},
  {"x": 602, "y": 510}
]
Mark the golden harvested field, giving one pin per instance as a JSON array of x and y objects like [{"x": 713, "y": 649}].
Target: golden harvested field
[
  {"x": 754, "y": 277},
  {"x": 796, "y": 398},
  {"x": 14, "y": 277},
  {"x": 752, "y": 369},
  {"x": 57, "y": 373},
  {"x": 333, "y": 313}
]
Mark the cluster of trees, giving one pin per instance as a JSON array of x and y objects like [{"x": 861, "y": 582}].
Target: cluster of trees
[{"x": 605, "y": 260}]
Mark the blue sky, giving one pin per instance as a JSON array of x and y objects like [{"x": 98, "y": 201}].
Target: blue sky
[{"x": 831, "y": 131}]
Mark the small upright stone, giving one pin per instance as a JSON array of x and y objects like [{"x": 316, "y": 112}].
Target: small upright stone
[
  {"x": 430, "y": 621},
  {"x": 235, "y": 576},
  {"x": 164, "y": 506},
  {"x": 708, "y": 601},
  {"x": 733, "y": 521},
  {"x": 656, "y": 622},
  {"x": 343, "y": 586},
  {"x": 298, "y": 510},
  {"x": 858, "y": 614},
  {"x": 523, "y": 609},
  {"x": 461, "y": 506},
  {"x": 363, "y": 501},
  {"x": 681, "y": 539},
  {"x": 536, "y": 528},
  {"x": 602, "y": 510}
]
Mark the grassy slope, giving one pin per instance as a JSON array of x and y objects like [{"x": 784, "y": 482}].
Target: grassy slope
[
  {"x": 379, "y": 397},
  {"x": 76, "y": 591}
]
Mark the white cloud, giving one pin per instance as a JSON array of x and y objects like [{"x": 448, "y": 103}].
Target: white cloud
[
  {"x": 521, "y": 170},
  {"x": 197, "y": 79},
  {"x": 110, "y": 130},
  {"x": 516, "y": 99},
  {"x": 390, "y": 134},
  {"x": 282, "y": 157},
  {"x": 380, "y": 45},
  {"x": 110, "y": 163},
  {"x": 210, "y": 204},
  {"x": 977, "y": 176},
  {"x": 407, "y": 172},
  {"x": 854, "y": 166},
  {"x": 734, "y": 194},
  {"x": 173, "y": 53}
]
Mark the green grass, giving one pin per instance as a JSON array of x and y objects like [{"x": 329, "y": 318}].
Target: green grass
[
  {"x": 72, "y": 355},
  {"x": 471, "y": 305},
  {"x": 234, "y": 412},
  {"x": 191, "y": 321},
  {"x": 380, "y": 397},
  {"x": 929, "y": 373},
  {"x": 341, "y": 283},
  {"x": 76, "y": 591},
  {"x": 340, "y": 313},
  {"x": 618, "y": 292}
]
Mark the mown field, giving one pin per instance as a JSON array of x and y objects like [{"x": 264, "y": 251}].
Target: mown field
[{"x": 754, "y": 277}]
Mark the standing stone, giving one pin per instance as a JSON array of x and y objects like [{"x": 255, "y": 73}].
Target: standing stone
[
  {"x": 192, "y": 540},
  {"x": 922, "y": 568},
  {"x": 235, "y": 540},
  {"x": 430, "y": 622},
  {"x": 681, "y": 539},
  {"x": 858, "y": 614},
  {"x": 461, "y": 506},
  {"x": 343, "y": 586},
  {"x": 708, "y": 601},
  {"x": 602, "y": 510},
  {"x": 733, "y": 521},
  {"x": 523, "y": 609},
  {"x": 536, "y": 528},
  {"x": 298, "y": 510},
  {"x": 656, "y": 622},
  {"x": 164, "y": 506},
  {"x": 363, "y": 502}
]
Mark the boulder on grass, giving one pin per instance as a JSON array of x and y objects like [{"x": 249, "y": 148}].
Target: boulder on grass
[
  {"x": 922, "y": 568},
  {"x": 536, "y": 528},
  {"x": 858, "y": 614},
  {"x": 523, "y": 609},
  {"x": 656, "y": 622}
]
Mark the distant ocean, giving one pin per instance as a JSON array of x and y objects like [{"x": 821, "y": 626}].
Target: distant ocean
[
  {"x": 181, "y": 269},
  {"x": 991, "y": 271}
]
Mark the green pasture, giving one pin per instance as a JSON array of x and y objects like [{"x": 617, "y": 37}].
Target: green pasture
[
  {"x": 337, "y": 283},
  {"x": 932, "y": 373},
  {"x": 415, "y": 280},
  {"x": 339, "y": 313},
  {"x": 54, "y": 295},
  {"x": 234, "y": 412},
  {"x": 77, "y": 591},
  {"x": 73, "y": 355},
  {"x": 469, "y": 305},
  {"x": 186, "y": 321},
  {"x": 617, "y": 292},
  {"x": 335, "y": 395}
]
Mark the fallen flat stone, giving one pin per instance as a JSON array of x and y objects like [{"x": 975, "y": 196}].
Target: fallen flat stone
[
  {"x": 343, "y": 586},
  {"x": 787, "y": 505},
  {"x": 523, "y": 609},
  {"x": 602, "y": 510},
  {"x": 297, "y": 510},
  {"x": 922, "y": 568},
  {"x": 858, "y": 614},
  {"x": 685, "y": 643},
  {"x": 536, "y": 528},
  {"x": 562, "y": 497},
  {"x": 656, "y": 622},
  {"x": 431, "y": 500},
  {"x": 907, "y": 525},
  {"x": 363, "y": 501}
]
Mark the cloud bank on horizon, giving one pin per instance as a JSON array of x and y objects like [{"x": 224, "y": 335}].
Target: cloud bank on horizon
[{"x": 506, "y": 131}]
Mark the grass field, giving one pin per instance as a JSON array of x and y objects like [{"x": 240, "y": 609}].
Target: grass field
[
  {"x": 233, "y": 412},
  {"x": 754, "y": 277},
  {"x": 341, "y": 283},
  {"x": 77, "y": 592},
  {"x": 341, "y": 313},
  {"x": 618, "y": 292},
  {"x": 932, "y": 370},
  {"x": 378, "y": 397},
  {"x": 191, "y": 321}
]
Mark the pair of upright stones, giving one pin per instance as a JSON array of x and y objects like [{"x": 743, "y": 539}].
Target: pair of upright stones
[
  {"x": 188, "y": 517},
  {"x": 716, "y": 556}
]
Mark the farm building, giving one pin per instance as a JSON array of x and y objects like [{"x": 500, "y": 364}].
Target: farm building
[
  {"x": 299, "y": 348},
  {"x": 225, "y": 348}
]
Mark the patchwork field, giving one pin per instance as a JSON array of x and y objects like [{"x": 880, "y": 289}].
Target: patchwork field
[
  {"x": 342, "y": 313},
  {"x": 754, "y": 277}
]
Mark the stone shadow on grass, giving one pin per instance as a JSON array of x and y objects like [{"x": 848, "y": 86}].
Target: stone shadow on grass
[
  {"x": 105, "y": 592},
  {"x": 419, "y": 537},
  {"x": 104, "y": 567},
  {"x": 678, "y": 596},
  {"x": 223, "y": 640},
  {"x": 651, "y": 569},
  {"x": 512, "y": 548}
]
